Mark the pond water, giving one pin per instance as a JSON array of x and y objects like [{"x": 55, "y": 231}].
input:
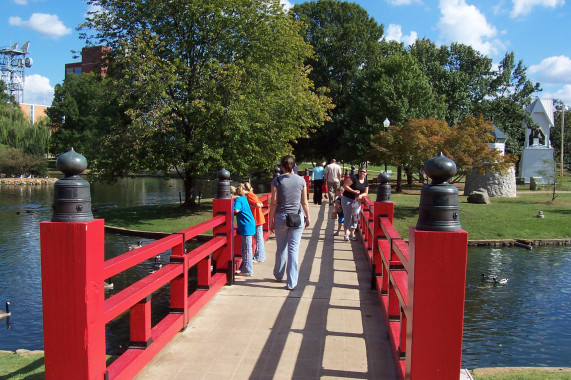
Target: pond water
[{"x": 522, "y": 323}]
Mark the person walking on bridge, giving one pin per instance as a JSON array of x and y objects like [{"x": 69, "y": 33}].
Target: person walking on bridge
[
  {"x": 333, "y": 179},
  {"x": 289, "y": 214},
  {"x": 356, "y": 188},
  {"x": 317, "y": 175}
]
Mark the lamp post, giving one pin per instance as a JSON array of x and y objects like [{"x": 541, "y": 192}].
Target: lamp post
[
  {"x": 386, "y": 124},
  {"x": 562, "y": 136}
]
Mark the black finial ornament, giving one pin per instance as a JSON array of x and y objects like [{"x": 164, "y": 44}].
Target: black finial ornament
[
  {"x": 307, "y": 172},
  {"x": 72, "y": 196},
  {"x": 352, "y": 169},
  {"x": 277, "y": 171},
  {"x": 223, "y": 186},
  {"x": 439, "y": 209},
  {"x": 384, "y": 187}
]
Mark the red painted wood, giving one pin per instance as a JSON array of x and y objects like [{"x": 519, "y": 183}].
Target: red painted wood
[
  {"x": 72, "y": 298},
  {"x": 129, "y": 259},
  {"x": 200, "y": 228},
  {"x": 200, "y": 297},
  {"x": 126, "y": 298},
  {"x": 179, "y": 284},
  {"x": 399, "y": 279},
  {"x": 204, "y": 272},
  {"x": 436, "y": 302},
  {"x": 140, "y": 322},
  {"x": 225, "y": 254},
  {"x": 133, "y": 360},
  {"x": 199, "y": 253}
]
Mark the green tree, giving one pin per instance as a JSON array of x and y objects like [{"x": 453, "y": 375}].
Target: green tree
[
  {"x": 346, "y": 40},
  {"x": 510, "y": 92},
  {"x": 16, "y": 130},
  {"x": 75, "y": 113},
  {"x": 200, "y": 85}
]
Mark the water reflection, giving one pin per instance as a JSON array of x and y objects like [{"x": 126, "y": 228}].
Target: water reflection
[{"x": 524, "y": 322}]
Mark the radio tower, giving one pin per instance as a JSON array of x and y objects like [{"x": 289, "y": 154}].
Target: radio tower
[{"x": 13, "y": 63}]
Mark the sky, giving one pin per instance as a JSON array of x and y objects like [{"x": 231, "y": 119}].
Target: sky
[{"x": 537, "y": 31}]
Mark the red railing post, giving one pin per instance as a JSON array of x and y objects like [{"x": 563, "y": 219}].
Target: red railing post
[
  {"x": 306, "y": 177},
  {"x": 179, "y": 285},
  {"x": 140, "y": 323},
  {"x": 380, "y": 210},
  {"x": 72, "y": 256},
  {"x": 222, "y": 205},
  {"x": 436, "y": 285}
]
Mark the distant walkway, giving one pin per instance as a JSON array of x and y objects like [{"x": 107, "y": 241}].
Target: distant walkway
[{"x": 330, "y": 326}]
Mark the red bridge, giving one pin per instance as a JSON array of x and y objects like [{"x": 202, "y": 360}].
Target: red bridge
[{"x": 373, "y": 308}]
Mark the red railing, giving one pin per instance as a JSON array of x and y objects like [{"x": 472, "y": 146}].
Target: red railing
[
  {"x": 421, "y": 289},
  {"x": 75, "y": 311}
]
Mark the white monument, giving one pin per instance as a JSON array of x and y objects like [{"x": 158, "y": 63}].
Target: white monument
[{"x": 537, "y": 157}]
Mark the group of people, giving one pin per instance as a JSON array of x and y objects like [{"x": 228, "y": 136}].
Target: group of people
[{"x": 289, "y": 214}]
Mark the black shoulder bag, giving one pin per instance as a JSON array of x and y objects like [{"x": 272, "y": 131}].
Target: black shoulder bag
[{"x": 292, "y": 220}]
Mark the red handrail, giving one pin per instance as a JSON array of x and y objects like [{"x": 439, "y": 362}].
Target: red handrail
[
  {"x": 79, "y": 246},
  {"x": 421, "y": 289}
]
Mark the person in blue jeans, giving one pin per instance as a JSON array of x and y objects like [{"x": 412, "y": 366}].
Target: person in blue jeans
[
  {"x": 288, "y": 197},
  {"x": 246, "y": 229}
]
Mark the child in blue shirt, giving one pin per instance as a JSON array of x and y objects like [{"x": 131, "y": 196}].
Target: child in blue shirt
[{"x": 246, "y": 229}]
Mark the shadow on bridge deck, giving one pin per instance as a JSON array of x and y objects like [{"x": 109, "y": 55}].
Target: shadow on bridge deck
[{"x": 331, "y": 326}]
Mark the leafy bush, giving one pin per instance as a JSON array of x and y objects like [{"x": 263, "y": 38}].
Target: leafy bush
[{"x": 14, "y": 162}]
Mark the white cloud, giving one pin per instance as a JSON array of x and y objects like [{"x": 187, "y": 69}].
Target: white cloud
[
  {"x": 465, "y": 23},
  {"x": 524, "y": 7},
  {"x": 37, "y": 90},
  {"x": 564, "y": 94},
  {"x": 554, "y": 70},
  {"x": 286, "y": 4},
  {"x": 21, "y": 2},
  {"x": 394, "y": 33},
  {"x": 43, "y": 23},
  {"x": 403, "y": 2}
]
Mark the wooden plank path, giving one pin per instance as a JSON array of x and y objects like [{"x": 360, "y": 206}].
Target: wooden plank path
[{"x": 330, "y": 326}]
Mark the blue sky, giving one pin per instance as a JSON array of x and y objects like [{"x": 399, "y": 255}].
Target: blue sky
[{"x": 537, "y": 31}]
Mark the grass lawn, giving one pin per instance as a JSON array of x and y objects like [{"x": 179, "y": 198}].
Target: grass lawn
[
  {"x": 28, "y": 365},
  {"x": 504, "y": 218}
]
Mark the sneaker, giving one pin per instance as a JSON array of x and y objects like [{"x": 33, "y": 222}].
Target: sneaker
[
  {"x": 244, "y": 274},
  {"x": 353, "y": 237},
  {"x": 336, "y": 233},
  {"x": 346, "y": 238}
]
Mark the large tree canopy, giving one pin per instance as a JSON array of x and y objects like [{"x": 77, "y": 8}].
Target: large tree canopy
[
  {"x": 346, "y": 40},
  {"x": 200, "y": 85}
]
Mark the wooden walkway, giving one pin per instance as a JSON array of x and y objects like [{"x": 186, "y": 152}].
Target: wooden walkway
[{"x": 330, "y": 326}]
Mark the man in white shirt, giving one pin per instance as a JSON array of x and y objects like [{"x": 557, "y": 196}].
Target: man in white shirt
[{"x": 333, "y": 178}]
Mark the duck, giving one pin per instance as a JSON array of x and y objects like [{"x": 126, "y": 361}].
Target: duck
[
  {"x": 485, "y": 277},
  {"x": 7, "y": 313},
  {"x": 135, "y": 246},
  {"x": 502, "y": 281},
  {"x": 108, "y": 285}
]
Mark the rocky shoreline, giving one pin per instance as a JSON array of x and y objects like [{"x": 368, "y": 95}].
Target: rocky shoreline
[{"x": 27, "y": 181}]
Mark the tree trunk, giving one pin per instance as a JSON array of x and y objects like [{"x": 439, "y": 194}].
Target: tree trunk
[
  {"x": 408, "y": 176},
  {"x": 189, "y": 190},
  {"x": 399, "y": 179}
]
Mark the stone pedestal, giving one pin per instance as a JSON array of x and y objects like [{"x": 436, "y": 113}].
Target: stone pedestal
[{"x": 497, "y": 184}]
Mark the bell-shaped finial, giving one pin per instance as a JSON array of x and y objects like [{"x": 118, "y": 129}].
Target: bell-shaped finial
[
  {"x": 439, "y": 208},
  {"x": 72, "y": 195},
  {"x": 223, "y": 185}
]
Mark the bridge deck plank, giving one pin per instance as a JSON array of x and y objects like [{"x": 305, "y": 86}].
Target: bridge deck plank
[{"x": 331, "y": 325}]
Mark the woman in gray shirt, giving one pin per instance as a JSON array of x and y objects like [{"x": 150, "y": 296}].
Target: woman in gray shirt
[{"x": 289, "y": 196}]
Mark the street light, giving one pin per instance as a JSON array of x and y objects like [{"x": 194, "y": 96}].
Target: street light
[{"x": 386, "y": 124}]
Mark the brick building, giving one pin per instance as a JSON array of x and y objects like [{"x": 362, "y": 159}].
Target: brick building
[{"x": 91, "y": 60}]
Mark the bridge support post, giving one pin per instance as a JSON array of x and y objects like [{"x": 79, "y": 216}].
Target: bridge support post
[
  {"x": 436, "y": 300},
  {"x": 72, "y": 256},
  {"x": 222, "y": 205},
  {"x": 438, "y": 250},
  {"x": 72, "y": 298}
]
